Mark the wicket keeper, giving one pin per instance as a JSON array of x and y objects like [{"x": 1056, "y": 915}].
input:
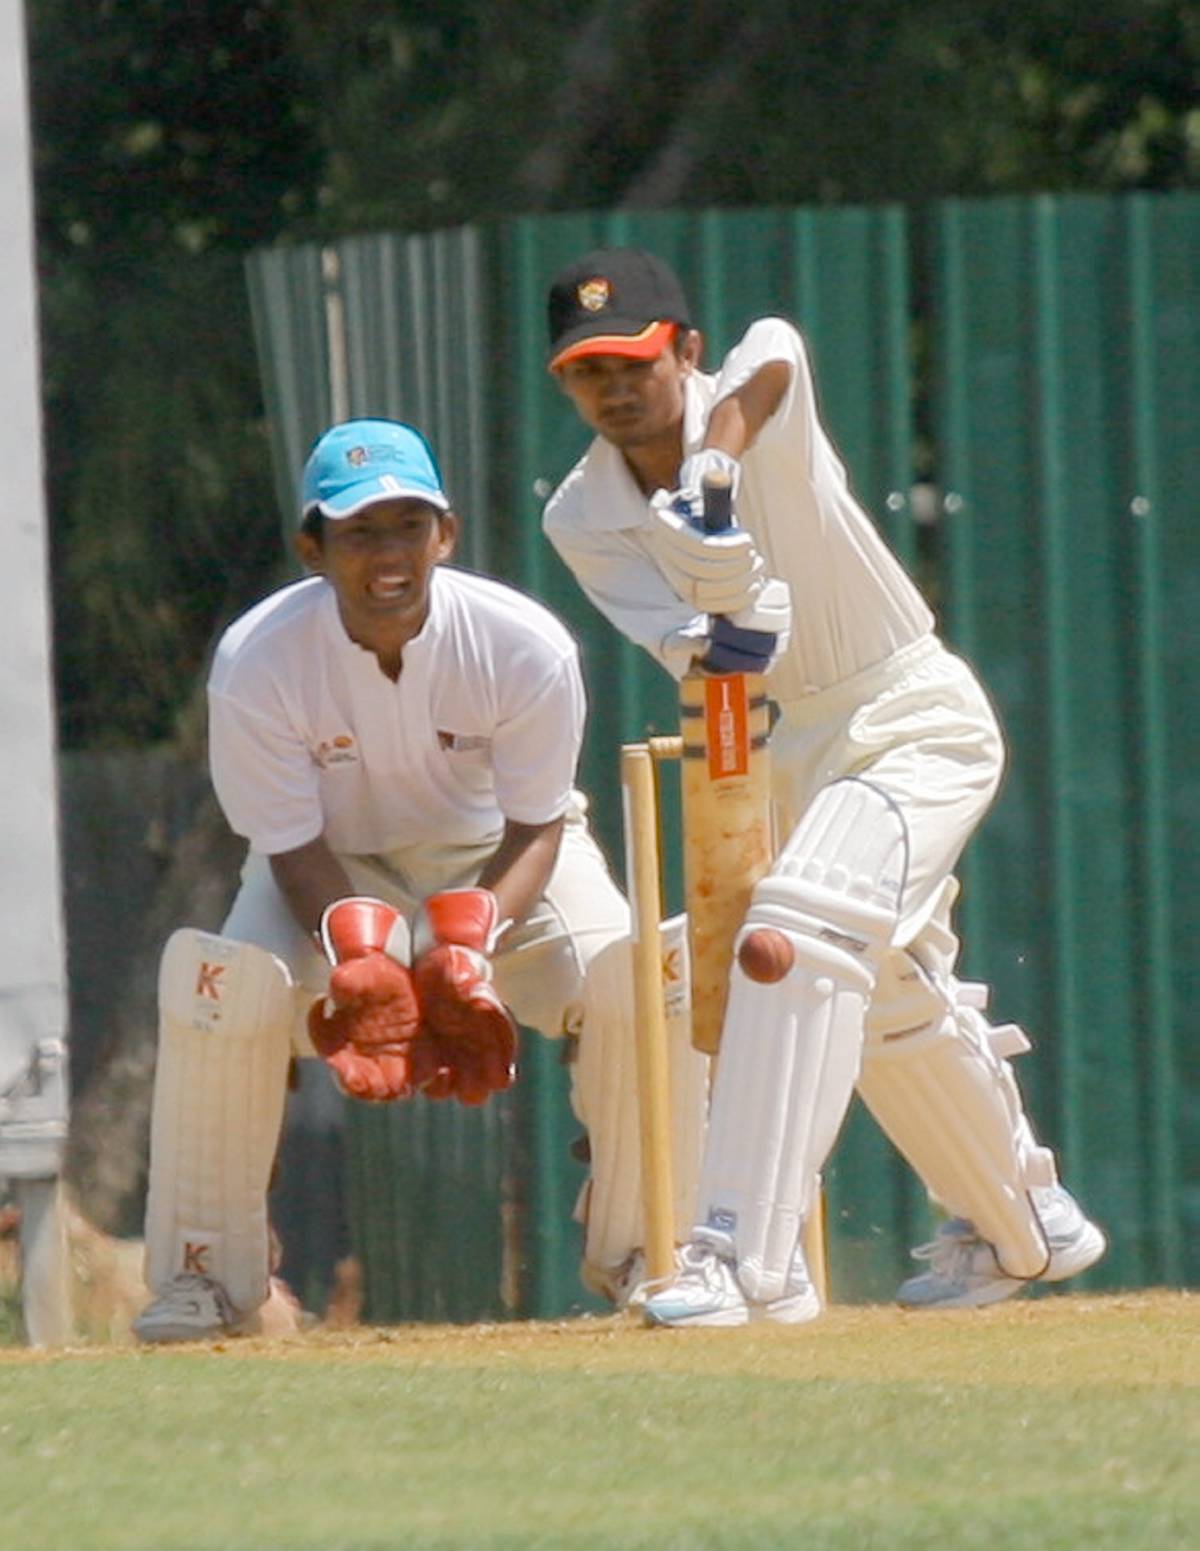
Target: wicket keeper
[{"x": 397, "y": 741}]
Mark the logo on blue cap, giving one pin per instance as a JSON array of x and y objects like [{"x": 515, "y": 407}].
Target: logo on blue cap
[{"x": 363, "y": 461}]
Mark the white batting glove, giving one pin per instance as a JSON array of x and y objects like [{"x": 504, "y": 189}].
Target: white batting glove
[
  {"x": 769, "y": 614},
  {"x": 770, "y": 609},
  {"x": 680, "y": 647},
  {"x": 695, "y": 470},
  {"x": 714, "y": 572},
  {"x": 752, "y": 640}
]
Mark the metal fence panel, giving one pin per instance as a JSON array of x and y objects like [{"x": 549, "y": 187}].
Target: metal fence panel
[
  {"x": 1068, "y": 327},
  {"x": 288, "y": 313}
]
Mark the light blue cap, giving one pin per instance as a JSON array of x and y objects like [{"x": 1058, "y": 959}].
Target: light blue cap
[{"x": 362, "y": 461}]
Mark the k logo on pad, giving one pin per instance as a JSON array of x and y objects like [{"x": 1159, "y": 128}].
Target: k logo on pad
[
  {"x": 196, "y": 1259},
  {"x": 208, "y": 981}
]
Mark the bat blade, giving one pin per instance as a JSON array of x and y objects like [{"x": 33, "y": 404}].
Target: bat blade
[{"x": 726, "y": 810}]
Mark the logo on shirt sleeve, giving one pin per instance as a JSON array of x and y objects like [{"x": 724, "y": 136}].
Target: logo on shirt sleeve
[
  {"x": 462, "y": 742},
  {"x": 341, "y": 749}
]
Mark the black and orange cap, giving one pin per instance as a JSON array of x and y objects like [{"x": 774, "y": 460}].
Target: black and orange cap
[{"x": 614, "y": 301}]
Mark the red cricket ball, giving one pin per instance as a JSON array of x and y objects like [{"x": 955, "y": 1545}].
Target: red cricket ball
[{"x": 765, "y": 955}]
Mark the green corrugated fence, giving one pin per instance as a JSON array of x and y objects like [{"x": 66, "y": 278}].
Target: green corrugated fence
[
  {"x": 1025, "y": 370},
  {"x": 1068, "y": 425}
]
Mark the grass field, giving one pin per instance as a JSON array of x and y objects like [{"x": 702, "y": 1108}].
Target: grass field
[{"x": 1066, "y": 1422}]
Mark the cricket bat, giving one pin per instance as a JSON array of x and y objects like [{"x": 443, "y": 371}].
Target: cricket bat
[{"x": 725, "y": 789}]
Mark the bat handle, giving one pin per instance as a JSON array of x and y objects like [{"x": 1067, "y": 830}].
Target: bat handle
[{"x": 718, "y": 503}]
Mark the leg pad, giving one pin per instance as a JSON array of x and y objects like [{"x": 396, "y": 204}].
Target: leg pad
[
  {"x": 936, "y": 1081},
  {"x": 225, "y": 1015}
]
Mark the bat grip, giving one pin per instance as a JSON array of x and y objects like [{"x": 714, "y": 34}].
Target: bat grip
[{"x": 718, "y": 503}]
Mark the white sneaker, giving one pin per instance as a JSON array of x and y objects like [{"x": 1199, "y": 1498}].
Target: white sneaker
[
  {"x": 1075, "y": 1243},
  {"x": 800, "y": 1301},
  {"x": 189, "y": 1308},
  {"x": 963, "y": 1270},
  {"x": 705, "y": 1292}
]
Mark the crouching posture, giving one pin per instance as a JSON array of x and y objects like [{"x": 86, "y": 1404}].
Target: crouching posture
[{"x": 397, "y": 740}]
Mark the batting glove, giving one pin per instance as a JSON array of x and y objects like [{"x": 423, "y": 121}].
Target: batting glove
[
  {"x": 752, "y": 640},
  {"x": 734, "y": 650},
  {"x": 694, "y": 472},
  {"x": 713, "y": 572}
]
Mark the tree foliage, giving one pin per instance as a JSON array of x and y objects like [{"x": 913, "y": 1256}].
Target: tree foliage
[
  {"x": 162, "y": 127},
  {"x": 166, "y": 525},
  {"x": 171, "y": 138},
  {"x": 168, "y": 140},
  {"x": 445, "y": 113}
]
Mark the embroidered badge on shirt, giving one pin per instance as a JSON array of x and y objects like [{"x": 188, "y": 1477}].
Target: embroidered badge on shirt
[
  {"x": 462, "y": 742},
  {"x": 339, "y": 750}
]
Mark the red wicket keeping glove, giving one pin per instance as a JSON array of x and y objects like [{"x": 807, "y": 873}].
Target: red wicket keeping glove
[
  {"x": 367, "y": 1028},
  {"x": 474, "y": 1033}
]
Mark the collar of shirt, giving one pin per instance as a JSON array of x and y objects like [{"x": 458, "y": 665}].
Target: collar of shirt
[
  {"x": 611, "y": 497},
  {"x": 419, "y": 646}
]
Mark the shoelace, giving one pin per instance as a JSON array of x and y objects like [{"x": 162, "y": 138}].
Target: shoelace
[
  {"x": 952, "y": 1253},
  {"x": 704, "y": 1263},
  {"x": 700, "y": 1262}
]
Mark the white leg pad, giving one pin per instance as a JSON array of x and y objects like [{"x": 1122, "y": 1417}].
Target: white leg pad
[
  {"x": 790, "y": 1051},
  {"x": 225, "y": 1015},
  {"x": 605, "y": 1098},
  {"x": 935, "y": 1079}
]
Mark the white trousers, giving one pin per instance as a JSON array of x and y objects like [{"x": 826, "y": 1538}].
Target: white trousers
[
  {"x": 920, "y": 729},
  {"x": 564, "y": 971}
]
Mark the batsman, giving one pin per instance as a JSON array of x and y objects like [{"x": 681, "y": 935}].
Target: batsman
[
  {"x": 885, "y": 758},
  {"x": 397, "y": 741}
]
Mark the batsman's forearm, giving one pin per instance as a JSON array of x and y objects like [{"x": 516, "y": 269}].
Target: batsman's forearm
[{"x": 736, "y": 420}]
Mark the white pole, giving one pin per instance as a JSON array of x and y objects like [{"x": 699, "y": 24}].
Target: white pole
[{"x": 33, "y": 998}]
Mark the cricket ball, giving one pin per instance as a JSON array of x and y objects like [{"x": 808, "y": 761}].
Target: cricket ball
[{"x": 765, "y": 955}]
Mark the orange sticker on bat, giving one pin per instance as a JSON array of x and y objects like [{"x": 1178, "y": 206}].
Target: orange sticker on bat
[{"x": 727, "y": 726}]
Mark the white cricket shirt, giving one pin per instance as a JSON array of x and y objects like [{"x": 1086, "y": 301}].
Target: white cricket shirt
[
  {"x": 308, "y": 737},
  {"x": 853, "y": 604}
]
